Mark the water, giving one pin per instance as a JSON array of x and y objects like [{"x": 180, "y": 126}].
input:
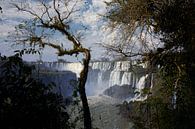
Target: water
[{"x": 105, "y": 75}]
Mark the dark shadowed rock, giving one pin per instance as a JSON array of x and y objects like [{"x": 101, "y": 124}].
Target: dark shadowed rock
[{"x": 120, "y": 92}]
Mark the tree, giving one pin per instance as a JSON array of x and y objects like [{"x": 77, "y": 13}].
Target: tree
[
  {"x": 26, "y": 102},
  {"x": 1, "y": 10},
  {"x": 146, "y": 19},
  {"x": 172, "y": 22},
  {"x": 55, "y": 18}
]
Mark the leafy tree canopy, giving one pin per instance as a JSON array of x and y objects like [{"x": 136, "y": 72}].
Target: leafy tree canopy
[
  {"x": 26, "y": 103},
  {"x": 172, "y": 23}
]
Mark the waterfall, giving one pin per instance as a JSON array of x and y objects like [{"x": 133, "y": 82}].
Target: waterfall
[
  {"x": 61, "y": 66},
  {"x": 127, "y": 78},
  {"x": 107, "y": 77},
  {"x": 141, "y": 83},
  {"x": 115, "y": 78}
]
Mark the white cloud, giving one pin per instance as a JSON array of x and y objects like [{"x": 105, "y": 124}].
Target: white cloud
[{"x": 88, "y": 16}]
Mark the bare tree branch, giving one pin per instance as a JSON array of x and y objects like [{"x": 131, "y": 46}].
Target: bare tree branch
[
  {"x": 58, "y": 13},
  {"x": 119, "y": 50},
  {"x": 60, "y": 24},
  {"x": 47, "y": 11}
]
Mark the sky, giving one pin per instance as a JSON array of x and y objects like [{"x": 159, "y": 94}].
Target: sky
[{"x": 89, "y": 16}]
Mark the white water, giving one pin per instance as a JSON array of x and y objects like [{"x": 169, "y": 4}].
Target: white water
[
  {"x": 73, "y": 67},
  {"x": 103, "y": 75},
  {"x": 108, "y": 74},
  {"x": 141, "y": 83},
  {"x": 119, "y": 79},
  {"x": 138, "y": 90},
  {"x": 127, "y": 78}
]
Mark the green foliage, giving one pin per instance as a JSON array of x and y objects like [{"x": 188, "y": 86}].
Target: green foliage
[
  {"x": 26, "y": 103},
  {"x": 173, "y": 103},
  {"x": 170, "y": 104},
  {"x": 152, "y": 114}
]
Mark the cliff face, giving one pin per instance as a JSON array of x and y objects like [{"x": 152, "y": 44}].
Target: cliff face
[{"x": 64, "y": 81}]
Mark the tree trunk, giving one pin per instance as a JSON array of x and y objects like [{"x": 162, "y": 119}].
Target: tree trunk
[{"x": 82, "y": 82}]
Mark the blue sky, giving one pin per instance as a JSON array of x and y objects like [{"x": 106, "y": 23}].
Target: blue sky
[{"x": 88, "y": 16}]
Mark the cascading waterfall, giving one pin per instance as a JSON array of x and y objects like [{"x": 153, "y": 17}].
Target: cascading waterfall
[
  {"x": 138, "y": 90},
  {"x": 112, "y": 77},
  {"x": 61, "y": 66},
  {"x": 116, "y": 76},
  {"x": 127, "y": 78},
  {"x": 141, "y": 83}
]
